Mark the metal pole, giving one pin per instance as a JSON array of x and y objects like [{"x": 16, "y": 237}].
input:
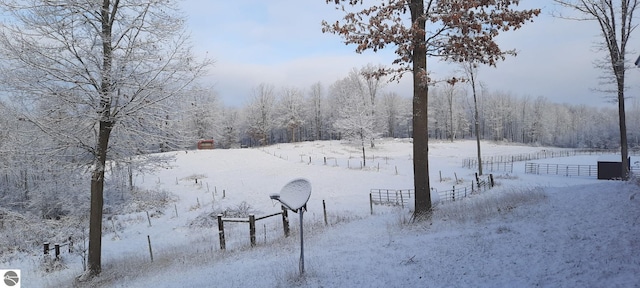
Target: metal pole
[{"x": 301, "y": 243}]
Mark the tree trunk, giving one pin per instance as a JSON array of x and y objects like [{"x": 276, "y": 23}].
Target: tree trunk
[
  {"x": 420, "y": 119},
  {"x": 105, "y": 126},
  {"x": 624, "y": 151},
  {"x": 97, "y": 200},
  {"x": 476, "y": 116},
  {"x": 364, "y": 156}
]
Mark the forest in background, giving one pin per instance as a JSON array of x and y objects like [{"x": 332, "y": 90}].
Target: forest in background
[{"x": 40, "y": 175}]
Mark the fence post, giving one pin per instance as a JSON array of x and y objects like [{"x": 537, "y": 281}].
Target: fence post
[
  {"x": 57, "y": 249},
  {"x": 324, "y": 208},
  {"x": 252, "y": 229},
  {"x": 401, "y": 199},
  {"x": 70, "y": 244},
  {"x": 285, "y": 221},
  {"x": 221, "y": 232},
  {"x": 148, "y": 218},
  {"x": 491, "y": 180},
  {"x": 453, "y": 193},
  {"x": 46, "y": 248},
  {"x": 150, "y": 250},
  {"x": 371, "y": 203}
]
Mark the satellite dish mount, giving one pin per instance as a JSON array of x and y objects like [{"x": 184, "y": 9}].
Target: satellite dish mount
[{"x": 294, "y": 196}]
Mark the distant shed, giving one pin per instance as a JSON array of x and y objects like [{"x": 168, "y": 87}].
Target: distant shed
[
  {"x": 206, "y": 144},
  {"x": 610, "y": 167}
]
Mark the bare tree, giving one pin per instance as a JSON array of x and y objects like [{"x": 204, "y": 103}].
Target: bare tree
[
  {"x": 373, "y": 82},
  {"x": 260, "y": 114},
  {"x": 391, "y": 111},
  {"x": 202, "y": 109},
  {"x": 317, "y": 106},
  {"x": 615, "y": 19},
  {"x": 291, "y": 110},
  {"x": 95, "y": 67},
  {"x": 354, "y": 119},
  {"x": 461, "y": 31},
  {"x": 471, "y": 71},
  {"x": 229, "y": 126},
  {"x": 450, "y": 93}
]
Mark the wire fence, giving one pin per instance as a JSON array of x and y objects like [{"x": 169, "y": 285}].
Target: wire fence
[
  {"x": 491, "y": 165},
  {"x": 402, "y": 197},
  {"x": 456, "y": 193},
  {"x": 567, "y": 170},
  {"x": 501, "y": 160}
]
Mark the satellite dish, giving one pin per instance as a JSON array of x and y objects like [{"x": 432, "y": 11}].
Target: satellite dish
[{"x": 295, "y": 194}]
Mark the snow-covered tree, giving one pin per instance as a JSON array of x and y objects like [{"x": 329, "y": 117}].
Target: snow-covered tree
[
  {"x": 291, "y": 111},
  {"x": 471, "y": 73},
  {"x": 260, "y": 114},
  {"x": 355, "y": 120},
  {"x": 229, "y": 125},
  {"x": 391, "y": 110},
  {"x": 498, "y": 115},
  {"x": 95, "y": 67},
  {"x": 317, "y": 111},
  {"x": 452, "y": 93},
  {"x": 203, "y": 111},
  {"x": 373, "y": 83},
  {"x": 616, "y": 21}
]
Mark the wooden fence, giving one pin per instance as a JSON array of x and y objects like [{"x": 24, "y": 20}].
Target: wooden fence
[
  {"x": 56, "y": 247},
  {"x": 252, "y": 225}
]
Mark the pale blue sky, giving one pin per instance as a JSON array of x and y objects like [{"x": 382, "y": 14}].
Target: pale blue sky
[{"x": 280, "y": 42}]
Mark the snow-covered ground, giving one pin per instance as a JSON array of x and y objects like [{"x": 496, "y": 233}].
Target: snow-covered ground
[{"x": 558, "y": 232}]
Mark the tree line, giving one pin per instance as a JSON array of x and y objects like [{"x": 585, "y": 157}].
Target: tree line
[
  {"x": 354, "y": 108},
  {"x": 360, "y": 110}
]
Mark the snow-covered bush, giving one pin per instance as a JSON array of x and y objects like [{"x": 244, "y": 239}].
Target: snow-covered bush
[{"x": 483, "y": 206}]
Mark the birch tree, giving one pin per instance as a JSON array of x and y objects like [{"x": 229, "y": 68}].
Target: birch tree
[
  {"x": 616, "y": 21},
  {"x": 97, "y": 67},
  {"x": 458, "y": 30}
]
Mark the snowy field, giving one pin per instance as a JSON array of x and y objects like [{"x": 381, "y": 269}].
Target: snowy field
[{"x": 528, "y": 231}]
